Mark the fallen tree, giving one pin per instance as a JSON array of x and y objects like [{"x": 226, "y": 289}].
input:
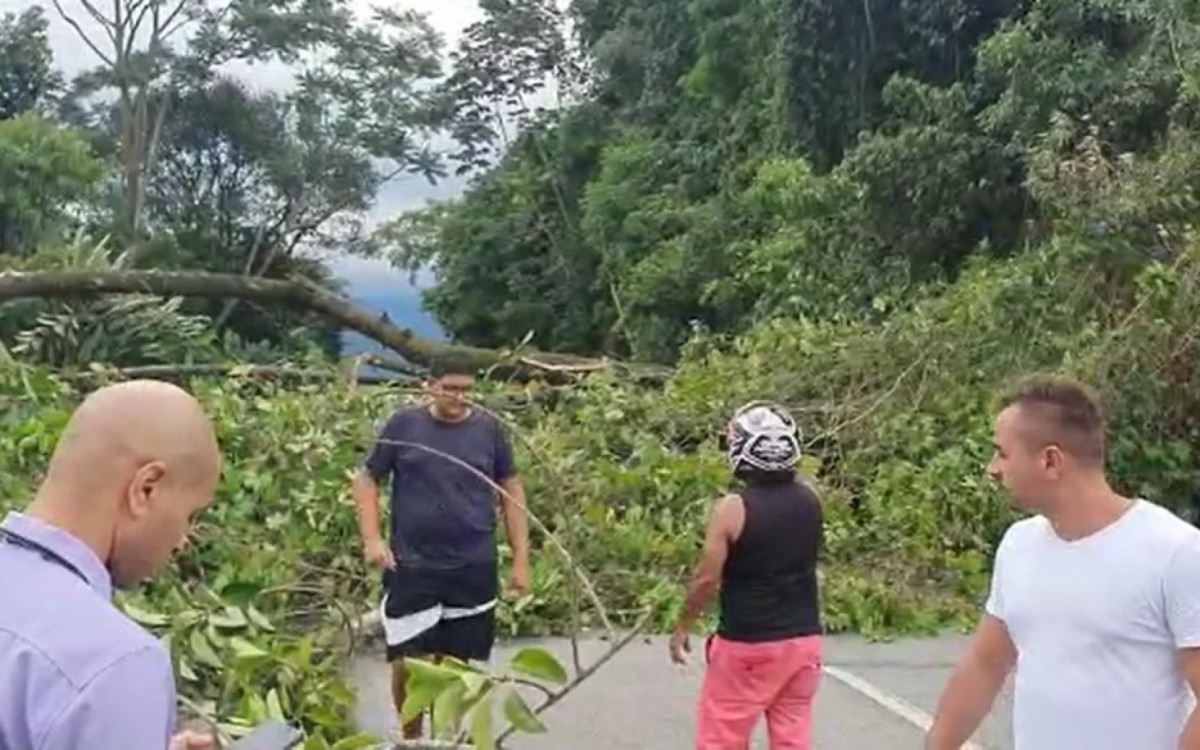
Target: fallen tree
[
  {"x": 260, "y": 372},
  {"x": 514, "y": 364}
]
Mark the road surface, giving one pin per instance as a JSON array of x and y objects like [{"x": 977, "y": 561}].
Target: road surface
[{"x": 874, "y": 696}]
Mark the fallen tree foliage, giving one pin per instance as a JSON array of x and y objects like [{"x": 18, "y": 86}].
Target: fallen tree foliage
[
  {"x": 514, "y": 365},
  {"x": 625, "y": 477},
  {"x": 284, "y": 373}
]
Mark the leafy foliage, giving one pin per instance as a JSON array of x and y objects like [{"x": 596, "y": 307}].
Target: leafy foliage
[
  {"x": 878, "y": 216},
  {"x": 47, "y": 174},
  {"x": 458, "y": 692},
  {"x": 256, "y": 608},
  {"x": 27, "y": 77},
  {"x": 897, "y": 419},
  {"x": 160, "y": 150},
  {"x": 749, "y": 161}
]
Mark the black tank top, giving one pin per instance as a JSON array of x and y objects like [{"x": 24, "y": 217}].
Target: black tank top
[{"x": 769, "y": 582}]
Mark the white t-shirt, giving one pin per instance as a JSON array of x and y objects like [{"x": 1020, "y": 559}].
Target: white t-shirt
[{"x": 1097, "y": 623}]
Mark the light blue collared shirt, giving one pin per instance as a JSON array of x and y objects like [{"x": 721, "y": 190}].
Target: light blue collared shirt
[{"x": 75, "y": 672}]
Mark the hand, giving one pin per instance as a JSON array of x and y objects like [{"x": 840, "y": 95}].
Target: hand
[
  {"x": 379, "y": 554},
  {"x": 193, "y": 741},
  {"x": 681, "y": 646},
  {"x": 519, "y": 581}
]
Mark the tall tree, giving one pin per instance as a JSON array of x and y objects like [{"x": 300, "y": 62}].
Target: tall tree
[
  {"x": 48, "y": 177},
  {"x": 28, "y": 80},
  {"x": 365, "y": 83}
]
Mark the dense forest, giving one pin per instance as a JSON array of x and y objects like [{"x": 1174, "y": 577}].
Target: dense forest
[
  {"x": 875, "y": 212},
  {"x": 724, "y": 164}
]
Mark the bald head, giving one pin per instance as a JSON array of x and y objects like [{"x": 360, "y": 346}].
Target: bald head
[
  {"x": 135, "y": 463},
  {"x": 122, "y": 426}
]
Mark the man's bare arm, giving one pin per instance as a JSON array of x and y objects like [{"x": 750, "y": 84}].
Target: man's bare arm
[
  {"x": 1189, "y": 663},
  {"x": 973, "y": 686},
  {"x": 366, "y": 499},
  {"x": 515, "y": 521},
  {"x": 723, "y": 526}
]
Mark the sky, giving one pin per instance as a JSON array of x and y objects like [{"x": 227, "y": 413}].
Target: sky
[{"x": 373, "y": 283}]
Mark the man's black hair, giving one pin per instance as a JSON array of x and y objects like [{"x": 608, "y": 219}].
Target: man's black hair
[{"x": 440, "y": 367}]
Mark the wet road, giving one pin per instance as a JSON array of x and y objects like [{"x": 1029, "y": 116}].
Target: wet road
[{"x": 874, "y": 696}]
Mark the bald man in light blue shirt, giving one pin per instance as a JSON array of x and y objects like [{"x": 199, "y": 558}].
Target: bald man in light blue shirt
[
  {"x": 135, "y": 464},
  {"x": 77, "y": 673}
]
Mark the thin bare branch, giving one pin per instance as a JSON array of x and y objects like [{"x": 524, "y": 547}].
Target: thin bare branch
[
  {"x": 96, "y": 15},
  {"x": 164, "y": 28},
  {"x": 612, "y": 651},
  {"x": 136, "y": 25},
  {"x": 79, "y": 31}
]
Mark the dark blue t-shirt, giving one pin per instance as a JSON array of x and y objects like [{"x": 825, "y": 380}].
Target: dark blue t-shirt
[{"x": 443, "y": 515}]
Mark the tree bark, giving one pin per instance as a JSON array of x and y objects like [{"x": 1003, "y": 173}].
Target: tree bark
[
  {"x": 263, "y": 372},
  {"x": 415, "y": 349}
]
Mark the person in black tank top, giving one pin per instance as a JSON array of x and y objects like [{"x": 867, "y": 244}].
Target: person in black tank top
[{"x": 760, "y": 550}]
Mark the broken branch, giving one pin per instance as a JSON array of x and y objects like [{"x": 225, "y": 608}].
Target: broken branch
[
  {"x": 257, "y": 372},
  {"x": 416, "y": 349},
  {"x": 612, "y": 651}
]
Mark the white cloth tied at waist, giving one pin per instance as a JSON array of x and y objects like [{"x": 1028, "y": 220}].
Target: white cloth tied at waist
[{"x": 397, "y": 630}]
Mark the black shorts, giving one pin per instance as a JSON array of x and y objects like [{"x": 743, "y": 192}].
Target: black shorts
[{"x": 409, "y": 591}]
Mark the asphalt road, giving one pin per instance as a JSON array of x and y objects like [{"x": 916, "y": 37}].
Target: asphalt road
[{"x": 874, "y": 696}]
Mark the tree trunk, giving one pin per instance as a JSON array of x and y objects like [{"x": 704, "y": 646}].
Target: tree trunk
[{"x": 416, "y": 349}]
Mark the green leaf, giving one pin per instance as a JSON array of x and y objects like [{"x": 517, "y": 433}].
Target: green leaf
[
  {"x": 418, "y": 697},
  {"x": 356, "y": 742},
  {"x": 231, "y": 618},
  {"x": 244, "y": 649},
  {"x": 483, "y": 735},
  {"x": 203, "y": 651},
  {"x": 425, "y": 683},
  {"x": 274, "y": 707},
  {"x": 475, "y": 684},
  {"x": 186, "y": 672},
  {"x": 259, "y": 619},
  {"x": 517, "y": 711},
  {"x": 255, "y": 708},
  {"x": 318, "y": 742},
  {"x": 240, "y": 593},
  {"x": 148, "y": 619},
  {"x": 447, "y": 708},
  {"x": 425, "y": 672},
  {"x": 540, "y": 664},
  {"x": 458, "y": 665},
  {"x": 187, "y": 618}
]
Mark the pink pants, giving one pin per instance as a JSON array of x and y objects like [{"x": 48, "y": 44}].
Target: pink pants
[{"x": 745, "y": 680}]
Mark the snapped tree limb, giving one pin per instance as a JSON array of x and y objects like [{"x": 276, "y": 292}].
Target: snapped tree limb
[
  {"x": 252, "y": 371},
  {"x": 412, "y": 347}
]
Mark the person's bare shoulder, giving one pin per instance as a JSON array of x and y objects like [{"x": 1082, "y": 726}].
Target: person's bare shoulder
[{"x": 729, "y": 513}]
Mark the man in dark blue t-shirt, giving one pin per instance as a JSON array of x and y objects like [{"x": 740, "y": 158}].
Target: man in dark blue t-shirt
[{"x": 439, "y": 563}]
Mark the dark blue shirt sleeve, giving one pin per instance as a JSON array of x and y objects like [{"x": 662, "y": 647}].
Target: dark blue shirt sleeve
[
  {"x": 382, "y": 456},
  {"x": 505, "y": 466}
]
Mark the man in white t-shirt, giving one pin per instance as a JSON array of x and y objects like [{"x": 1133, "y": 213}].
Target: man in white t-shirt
[{"x": 1095, "y": 599}]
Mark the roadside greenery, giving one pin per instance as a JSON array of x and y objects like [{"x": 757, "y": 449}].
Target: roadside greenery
[
  {"x": 896, "y": 417},
  {"x": 877, "y": 214}
]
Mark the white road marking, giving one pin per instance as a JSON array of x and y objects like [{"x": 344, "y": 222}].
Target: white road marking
[{"x": 890, "y": 702}]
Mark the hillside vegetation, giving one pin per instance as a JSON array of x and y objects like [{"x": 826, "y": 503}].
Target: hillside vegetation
[{"x": 877, "y": 213}]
